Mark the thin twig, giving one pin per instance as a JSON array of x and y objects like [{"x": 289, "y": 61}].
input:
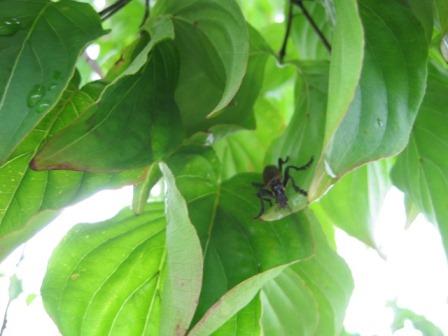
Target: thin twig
[
  {"x": 5, "y": 315},
  {"x": 313, "y": 24},
  {"x": 5, "y": 318},
  {"x": 146, "y": 15},
  {"x": 112, "y": 9},
  {"x": 282, "y": 52},
  {"x": 93, "y": 65}
]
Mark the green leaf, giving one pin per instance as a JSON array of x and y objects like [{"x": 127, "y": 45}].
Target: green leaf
[
  {"x": 241, "y": 253},
  {"x": 30, "y": 298},
  {"x": 184, "y": 263},
  {"x": 345, "y": 64},
  {"x": 421, "y": 171},
  {"x": 105, "y": 278},
  {"x": 135, "y": 122},
  {"x": 39, "y": 44},
  {"x": 380, "y": 118},
  {"x": 30, "y": 199},
  {"x": 213, "y": 44},
  {"x": 303, "y": 138},
  {"x": 289, "y": 307},
  {"x": 442, "y": 13},
  {"x": 231, "y": 302},
  {"x": 354, "y": 203},
  {"x": 15, "y": 287},
  {"x": 423, "y": 10},
  {"x": 310, "y": 296},
  {"x": 240, "y": 111},
  {"x": 245, "y": 150},
  {"x": 306, "y": 43},
  {"x": 412, "y": 211},
  {"x": 159, "y": 29},
  {"x": 246, "y": 322},
  {"x": 419, "y": 322}
]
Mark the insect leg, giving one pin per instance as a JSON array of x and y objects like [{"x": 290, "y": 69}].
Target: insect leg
[
  {"x": 287, "y": 176},
  {"x": 297, "y": 188},
  {"x": 264, "y": 195},
  {"x": 281, "y": 162}
]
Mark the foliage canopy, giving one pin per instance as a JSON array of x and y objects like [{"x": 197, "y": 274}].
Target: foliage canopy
[{"x": 198, "y": 97}]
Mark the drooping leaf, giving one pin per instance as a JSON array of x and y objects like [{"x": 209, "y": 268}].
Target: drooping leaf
[
  {"x": 240, "y": 111},
  {"x": 421, "y": 171},
  {"x": 39, "y": 44},
  {"x": 303, "y": 138},
  {"x": 240, "y": 253},
  {"x": 310, "y": 297},
  {"x": 380, "y": 118},
  {"x": 135, "y": 122},
  {"x": 354, "y": 203},
  {"x": 213, "y": 44},
  {"x": 184, "y": 263},
  {"x": 30, "y": 199},
  {"x": 105, "y": 278},
  {"x": 419, "y": 322}
]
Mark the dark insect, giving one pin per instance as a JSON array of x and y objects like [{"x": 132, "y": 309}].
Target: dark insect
[{"x": 275, "y": 182}]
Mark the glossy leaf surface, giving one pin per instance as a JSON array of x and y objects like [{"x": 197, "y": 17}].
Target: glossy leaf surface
[
  {"x": 31, "y": 80},
  {"x": 375, "y": 119},
  {"x": 238, "y": 250},
  {"x": 30, "y": 199},
  {"x": 135, "y": 122},
  {"x": 380, "y": 118}
]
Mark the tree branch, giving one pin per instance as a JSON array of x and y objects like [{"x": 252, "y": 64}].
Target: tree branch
[
  {"x": 5, "y": 318},
  {"x": 112, "y": 9},
  {"x": 282, "y": 52},
  {"x": 93, "y": 65},
  {"x": 313, "y": 24},
  {"x": 147, "y": 9}
]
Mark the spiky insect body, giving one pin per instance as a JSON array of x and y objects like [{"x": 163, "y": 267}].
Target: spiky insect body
[{"x": 275, "y": 182}]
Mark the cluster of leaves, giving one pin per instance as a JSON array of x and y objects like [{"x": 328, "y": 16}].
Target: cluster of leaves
[{"x": 198, "y": 98}]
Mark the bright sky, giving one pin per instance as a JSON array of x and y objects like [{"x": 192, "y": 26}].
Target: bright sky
[{"x": 415, "y": 272}]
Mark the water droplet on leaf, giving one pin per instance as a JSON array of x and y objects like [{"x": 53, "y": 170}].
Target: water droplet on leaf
[
  {"x": 329, "y": 170},
  {"x": 42, "y": 107},
  {"x": 9, "y": 26},
  {"x": 36, "y": 95},
  {"x": 444, "y": 47}
]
